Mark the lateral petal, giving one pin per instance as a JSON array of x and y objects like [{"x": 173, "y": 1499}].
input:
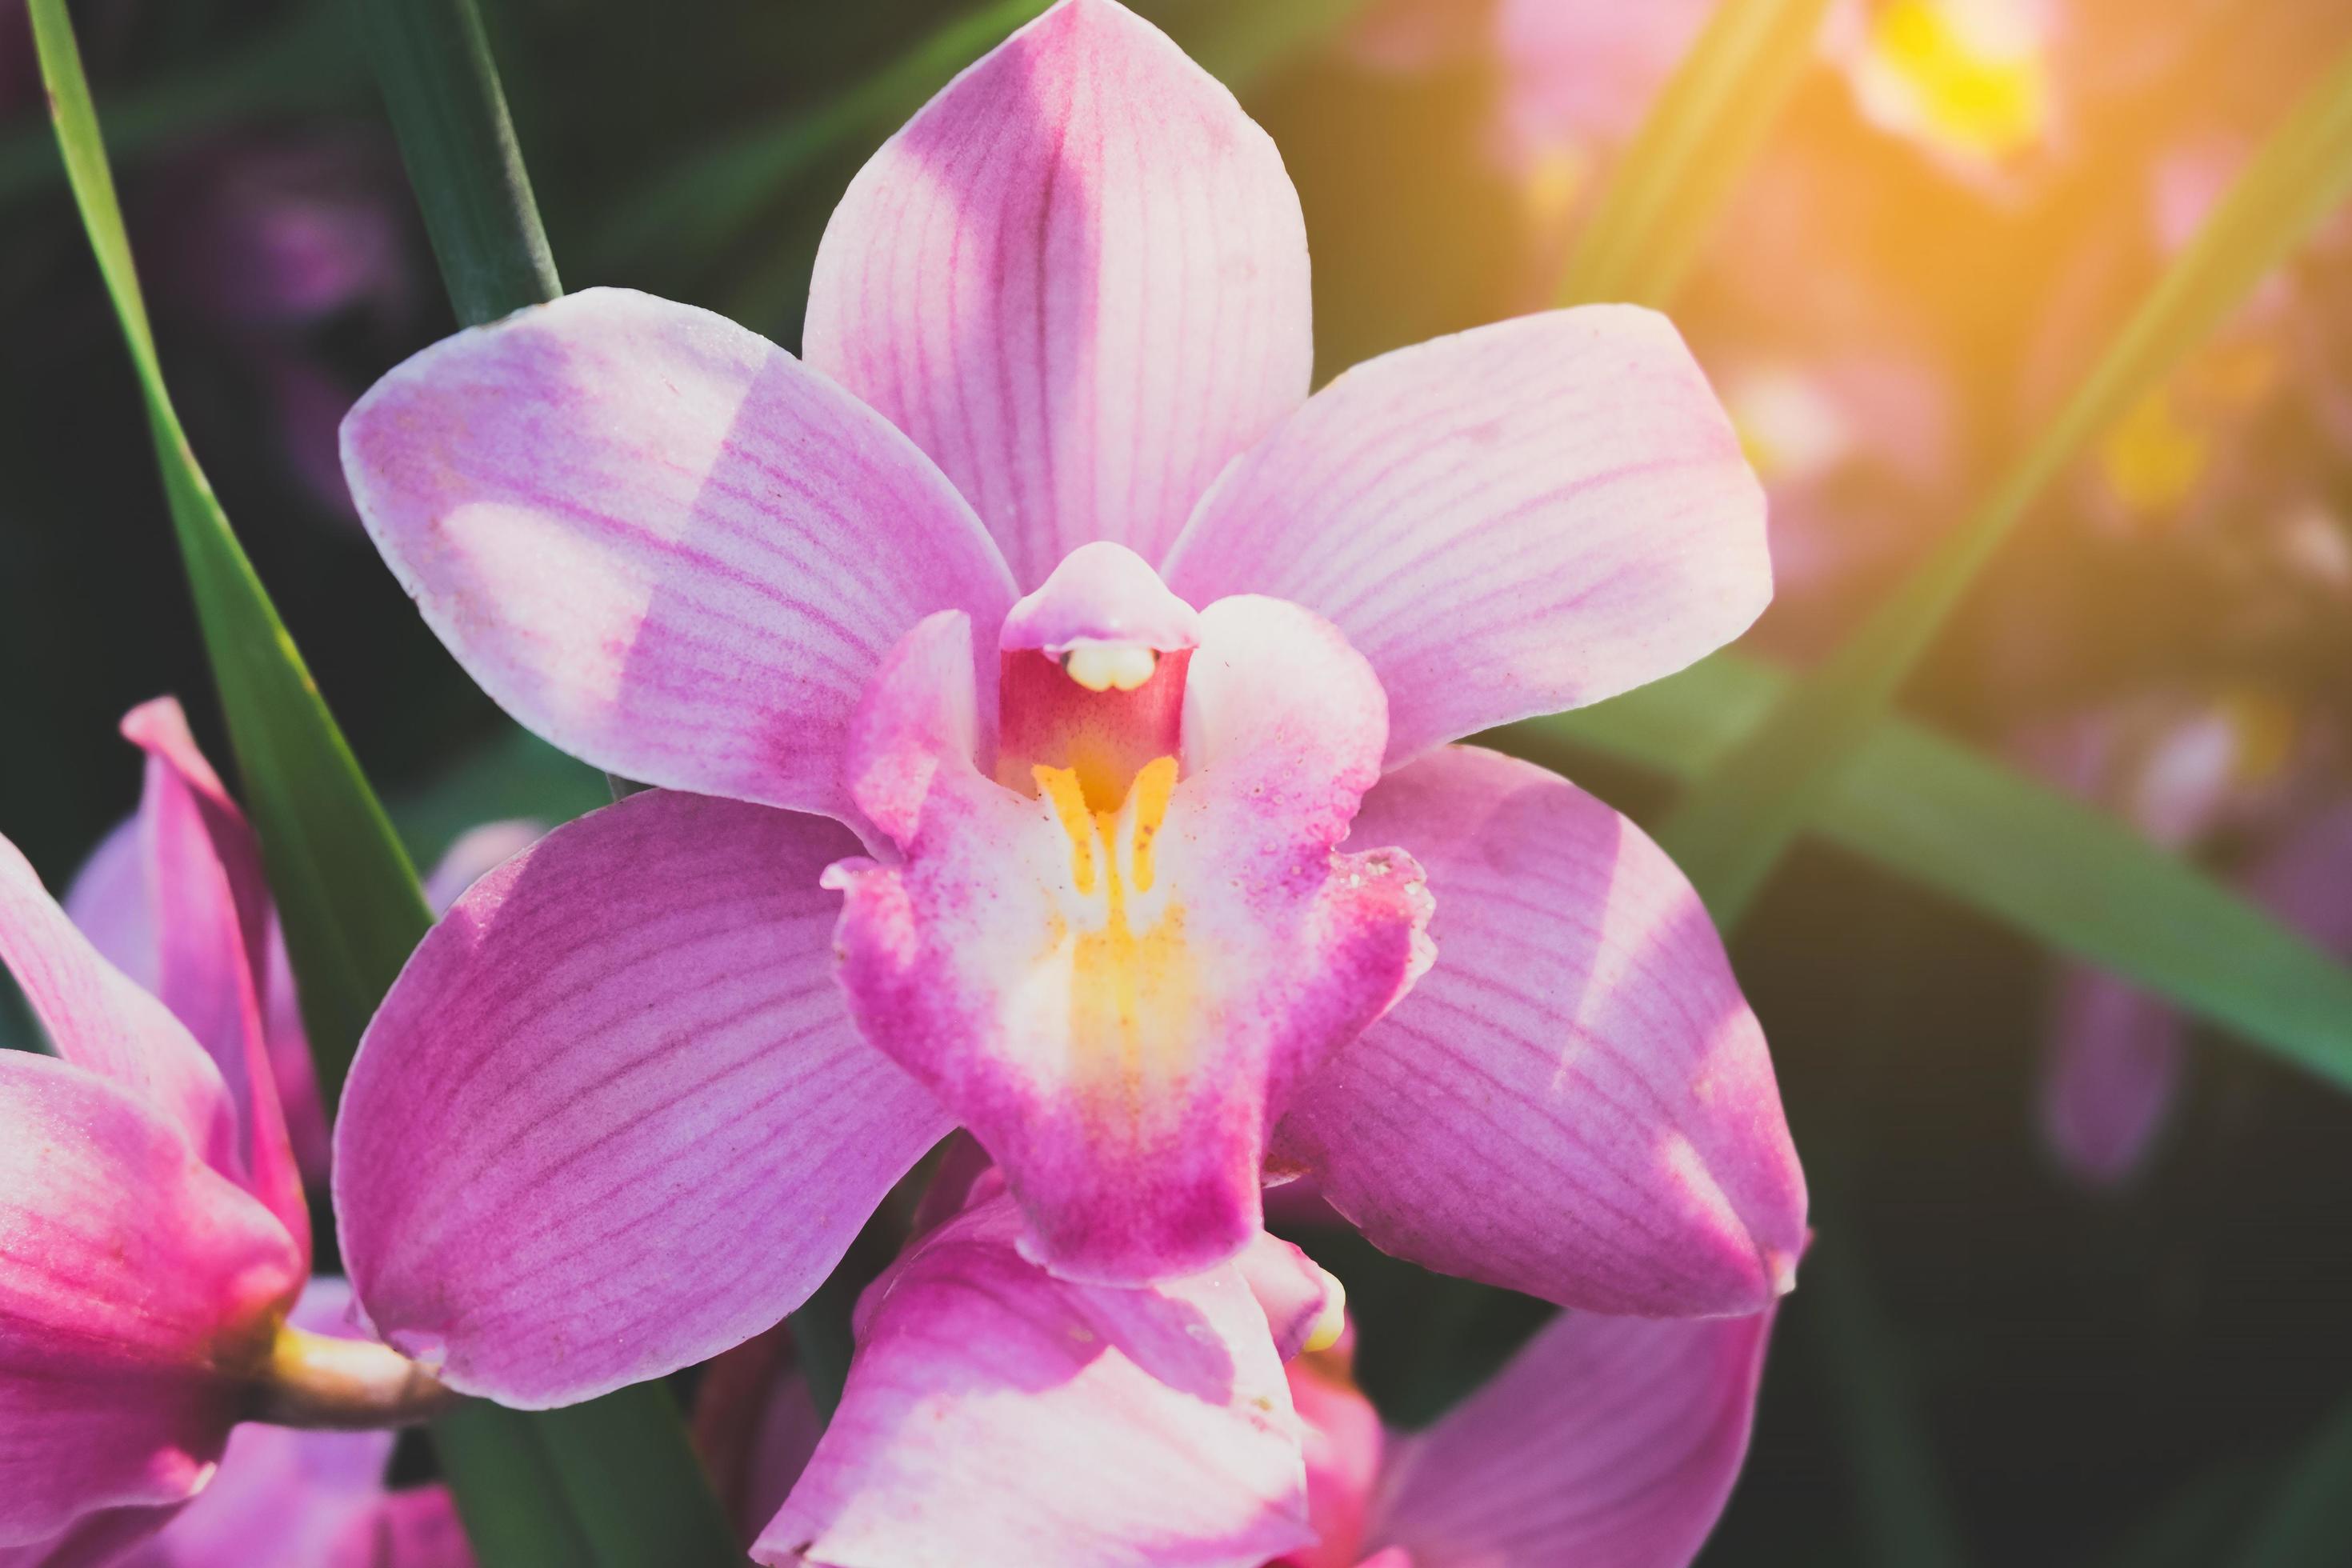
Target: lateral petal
[
  {"x": 612, "y": 1118},
  {"x": 1575, "y": 1101}
]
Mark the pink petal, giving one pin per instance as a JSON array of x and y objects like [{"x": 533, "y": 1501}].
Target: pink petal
[
  {"x": 659, "y": 540},
  {"x": 1293, "y": 1292},
  {"x": 1575, "y": 1101},
  {"x": 282, "y": 1499},
  {"x": 107, "y": 903},
  {"x": 1343, "y": 1443},
  {"x": 214, "y": 923},
  {"x": 417, "y": 1529},
  {"x": 133, "y": 1274},
  {"x": 1515, "y": 520},
  {"x": 1606, "y": 1440},
  {"x": 1079, "y": 279},
  {"x": 100, "y": 1021},
  {"x": 2110, "y": 1074},
  {"x": 612, "y": 1118},
  {"x": 755, "y": 1425},
  {"x": 473, "y": 854},
  {"x": 997, "y": 1417},
  {"x": 1578, "y": 75},
  {"x": 1119, "y": 1039}
]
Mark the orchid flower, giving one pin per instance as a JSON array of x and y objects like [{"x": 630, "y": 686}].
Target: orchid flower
[
  {"x": 969, "y": 814},
  {"x": 1969, "y": 82},
  {"x": 995, "y": 1414},
  {"x": 158, "y": 1239},
  {"x": 2180, "y": 770}
]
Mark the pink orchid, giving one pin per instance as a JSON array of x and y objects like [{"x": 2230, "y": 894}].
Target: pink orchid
[
  {"x": 158, "y": 1238},
  {"x": 996, "y": 1415},
  {"x": 2181, "y": 770},
  {"x": 968, "y": 813},
  {"x": 2116, "y": 1056}
]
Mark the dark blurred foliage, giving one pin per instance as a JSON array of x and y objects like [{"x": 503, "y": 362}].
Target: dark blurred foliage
[{"x": 2079, "y": 1357}]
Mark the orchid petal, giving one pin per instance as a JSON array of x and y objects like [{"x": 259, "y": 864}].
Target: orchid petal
[
  {"x": 1079, "y": 279},
  {"x": 2110, "y": 1074},
  {"x": 1295, "y": 1295},
  {"x": 1117, "y": 1024},
  {"x": 213, "y": 921},
  {"x": 471, "y": 856},
  {"x": 1343, "y": 1443},
  {"x": 1575, "y": 1102},
  {"x": 1515, "y": 520},
  {"x": 282, "y": 1499},
  {"x": 612, "y": 1118},
  {"x": 996, "y": 1417},
  {"x": 659, "y": 540},
  {"x": 108, "y": 903},
  {"x": 100, "y": 1021},
  {"x": 133, "y": 1280},
  {"x": 1606, "y": 1440}
]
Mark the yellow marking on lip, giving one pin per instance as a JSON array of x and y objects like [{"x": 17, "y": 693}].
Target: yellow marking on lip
[{"x": 1133, "y": 1000}]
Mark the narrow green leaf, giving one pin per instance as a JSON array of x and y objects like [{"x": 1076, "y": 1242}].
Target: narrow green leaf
[
  {"x": 323, "y": 836},
  {"x": 1730, "y": 830},
  {"x": 2307, "y": 1521},
  {"x": 1682, "y": 164},
  {"x": 1945, "y": 816},
  {"x": 619, "y": 1487},
  {"x": 433, "y": 61},
  {"x": 305, "y": 60}
]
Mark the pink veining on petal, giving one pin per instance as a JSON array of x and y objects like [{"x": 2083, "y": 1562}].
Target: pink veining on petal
[
  {"x": 1116, "y": 997},
  {"x": 997, "y": 1417},
  {"x": 1575, "y": 1101},
  {"x": 1606, "y": 1440},
  {"x": 134, "y": 1276},
  {"x": 613, "y": 1117},
  {"x": 1078, "y": 277},
  {"x": 660, "y": 540},
  {"x": 1515, "y": 520}
]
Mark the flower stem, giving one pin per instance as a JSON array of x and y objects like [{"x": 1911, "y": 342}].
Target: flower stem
[{"x": 333, "y": 1385}]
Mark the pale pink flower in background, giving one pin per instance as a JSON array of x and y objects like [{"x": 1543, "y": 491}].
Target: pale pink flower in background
[
  {"x": 2180, "y": 771},
  {"x": 269, "y": 241},
  {"x": 630, "y": 1101}
]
